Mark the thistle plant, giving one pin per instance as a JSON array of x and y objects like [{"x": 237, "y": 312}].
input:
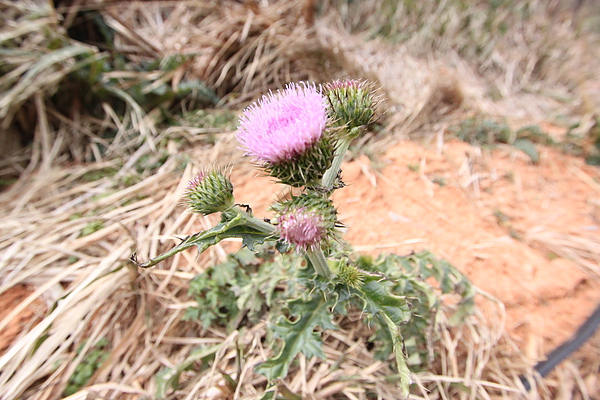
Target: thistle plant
[{"x": 299, "y": 136}]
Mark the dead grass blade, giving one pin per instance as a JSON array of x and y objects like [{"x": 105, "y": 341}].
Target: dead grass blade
[
  {"x": 240, "y": 48},
  {"x": 583, "y": 249}
]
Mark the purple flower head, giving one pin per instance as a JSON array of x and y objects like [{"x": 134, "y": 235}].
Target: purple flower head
[
  {"x": 283, "y": 125},
  {"x": 301, "y": 227}
]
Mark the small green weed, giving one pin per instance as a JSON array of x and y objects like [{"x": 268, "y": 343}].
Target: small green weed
[
  {"x": 482, "y": 131},
  {"x": 207, "y": 119},
  {"x": 92, "y": 227},
  {"x": 99, "y": 174},
  {"x": 414, "y": 167},
  {"x": 586, "y": 144},
  {"x": 151, "y": 162},
  {"x": 88, "y": 366},
  {"x": 439, "y": 180}
]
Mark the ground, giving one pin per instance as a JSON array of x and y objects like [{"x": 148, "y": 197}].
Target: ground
[
  {"x": 518, "y": 230},
  {"x": 527, "y": 234}
]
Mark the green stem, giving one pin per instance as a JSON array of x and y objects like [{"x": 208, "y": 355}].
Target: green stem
[
  {"x": 332, "y": 173},
  {"x": 317, "y": 259},
  {"x": 249, "y": 221},
  {"x": 258, "y": 224},
  {"x": 234, "y": 218},
  {"x": 152, "y": 262}
]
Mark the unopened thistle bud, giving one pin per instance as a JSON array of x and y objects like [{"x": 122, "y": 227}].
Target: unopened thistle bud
[
  {"x": 306, "y": 221},
  {"x": 287, "y": 133},
  {"x": 352, "y": 105},
  {"x": 209, "y": 192},
  {"x": 350, "y": 275}
]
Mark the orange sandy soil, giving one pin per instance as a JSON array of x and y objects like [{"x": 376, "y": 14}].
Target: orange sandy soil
[
  {"x": 24, "y": 320},
  {"x": 483, "y": 216}
]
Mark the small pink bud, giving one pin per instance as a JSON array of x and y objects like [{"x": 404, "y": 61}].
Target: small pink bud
[
  {"x": 302, "y": 228},
  {"x": 306, "y": 221},
  {"x": 352, "y": 104}
]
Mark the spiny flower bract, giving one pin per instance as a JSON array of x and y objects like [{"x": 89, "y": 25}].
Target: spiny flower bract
[
  {"x": 287, "y": 133},
  {"x": 350, "y": 275},
  {"x": 210, "y": 191}
]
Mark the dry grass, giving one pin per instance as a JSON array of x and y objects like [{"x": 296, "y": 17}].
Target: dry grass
[
  {"x": 242, "y": 49},
  {"x": 92, "y": 293},
  {"x": 584, "y": 250},
  {"x": 439, "y": 61},
  {"x": 45, "y": 117}
]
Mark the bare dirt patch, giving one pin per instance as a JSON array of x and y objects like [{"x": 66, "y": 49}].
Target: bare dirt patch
[
  {"x": 478, "y": 209},
  {"x": 25, "y": 318}
]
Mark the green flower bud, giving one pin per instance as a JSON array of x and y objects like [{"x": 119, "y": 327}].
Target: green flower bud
[
  {"x": 350, "y": 275},
  {"x": 209, "y": 192},
  {"x": 352, "y": 105}
]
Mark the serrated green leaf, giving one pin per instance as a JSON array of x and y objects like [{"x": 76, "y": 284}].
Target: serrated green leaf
[
  {"x": 282, "y": 246},
  {"x": 375, "y": 292},
  {"x": 246, "y": 257},
  {"x": 236, "y": 227},
  {"x": 393, "y": 311},
  {"x": 395, "y": 338},
  {"x": 299, "y": 336},
  {"x": 411, "y": 277}
]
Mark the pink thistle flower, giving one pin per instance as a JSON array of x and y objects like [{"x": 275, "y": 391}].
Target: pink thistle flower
[
  {"x": 302, "y": 228},
  {"x": 283, "y": 126}
]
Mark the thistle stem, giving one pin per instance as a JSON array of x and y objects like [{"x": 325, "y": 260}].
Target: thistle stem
[
  {"x": 317, "y": 259},
  {"x": 258, "y": 224},
  {"x": 250, "y": 221},
  {"x": 332, "y": 173}
]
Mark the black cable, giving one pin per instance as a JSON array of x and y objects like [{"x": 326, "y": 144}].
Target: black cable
[{"x": 567, "y": 348}]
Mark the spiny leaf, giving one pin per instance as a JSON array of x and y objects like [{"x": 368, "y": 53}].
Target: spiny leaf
[
  {"x": 236, "y": 227},
  {"x": 299, "y": 336},
  {"x": 393, "y": 311},
  {"x": 401, "y": 357},
  {"x": 375, "y": 292}
]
